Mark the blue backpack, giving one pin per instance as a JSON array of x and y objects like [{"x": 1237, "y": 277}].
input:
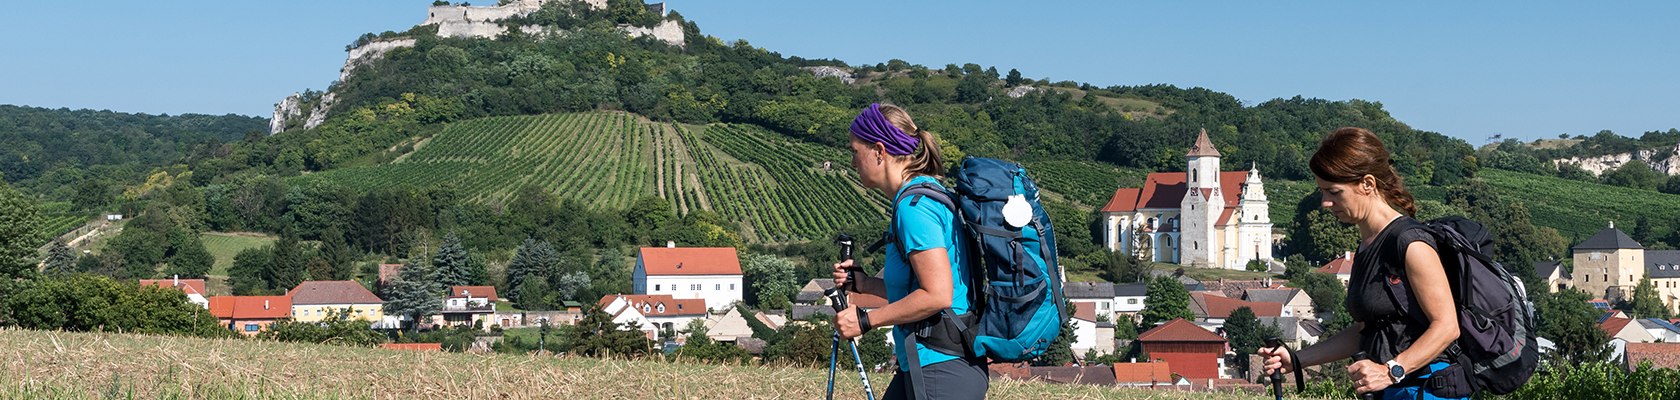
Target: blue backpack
[{"x": 1016, "y": 304}]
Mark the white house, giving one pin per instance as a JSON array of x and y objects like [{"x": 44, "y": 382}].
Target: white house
[
  {"x": 1084, "y": 321},
  {"x": 655, "y": 313},
  {"x": 712, "y": 274},
  {"x": 1129, "y": 298}
]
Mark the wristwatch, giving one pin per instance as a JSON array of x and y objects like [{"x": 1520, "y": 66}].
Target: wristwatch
[{"x": 1396, "y": 371}]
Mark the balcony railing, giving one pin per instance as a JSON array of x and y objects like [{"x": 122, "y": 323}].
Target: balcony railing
[{"x": 471, "y": 307}]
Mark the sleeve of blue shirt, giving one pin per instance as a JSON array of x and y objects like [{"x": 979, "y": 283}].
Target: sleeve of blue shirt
[{"x": 923, "y": 226}]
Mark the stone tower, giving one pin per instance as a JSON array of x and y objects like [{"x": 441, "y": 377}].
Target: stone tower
[{"x": 1202, "y": 204}]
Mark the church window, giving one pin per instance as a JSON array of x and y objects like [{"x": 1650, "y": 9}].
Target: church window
[{"x": 1193, "y": 175}]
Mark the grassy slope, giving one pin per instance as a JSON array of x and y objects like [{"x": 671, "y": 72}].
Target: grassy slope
[
  {"x": 223, "y": 246},
  {"x": 1576, "y": 209},
  {"x": 57, "y": 365}
]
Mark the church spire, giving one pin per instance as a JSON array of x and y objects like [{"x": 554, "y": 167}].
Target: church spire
[{"x": 1203, "y": 146}]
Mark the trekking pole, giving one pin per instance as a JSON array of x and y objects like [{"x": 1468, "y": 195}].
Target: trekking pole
[
  {"x": 1277, "y": 374},
  {"x": 1367, "y": 395},
  {"x": 837, "y": 299}
]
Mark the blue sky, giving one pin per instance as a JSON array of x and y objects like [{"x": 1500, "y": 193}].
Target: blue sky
[{"x": 1467, "y": 69}]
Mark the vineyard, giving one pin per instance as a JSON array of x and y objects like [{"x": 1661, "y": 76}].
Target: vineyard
[
  {"x": 777, "y": 188},
  {"x": 780, "y": 189},
  {"x": 1090, "y": 183},
  {"x": 1579, "y": 209},
  {"x": 602, "y": 159},
  {"x": 57, "y": 219}
]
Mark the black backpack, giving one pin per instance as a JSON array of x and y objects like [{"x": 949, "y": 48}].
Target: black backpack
[{"x": 1496, "y": 342}]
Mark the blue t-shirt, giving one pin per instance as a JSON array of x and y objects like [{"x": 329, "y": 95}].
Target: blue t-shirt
[{"x": 927, "y": 225}]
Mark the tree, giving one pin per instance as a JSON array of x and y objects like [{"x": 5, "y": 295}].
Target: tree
[
  {"x": 337, "y": 329},
  {"x": 287, "y": 267},
  {"x": 1013, "y": 79},
  {"x": 596, "y": 335},
  {"x": 1061, "y": 350},
  {"x": 535, "y": 295},
  {"x": 1572, "y": 324},
  {"x": 89, "y": 303},
  {"x": 1327, "y": 292},
  {"x": 191, "y": 259},
  {"x": 60, "y": 260},
  {"x": 1247, "y": 334},
  {"x": 1328, "y": 237},
  {"x": 1166, "y": 301},
  {"x": 451, "y": 263},
  {"x": 416, "y": 293},
  {"x": 246, "y": 275},
  {"x": 20, "y": 235},
  {"x": 703, "y": 348},
  {"x": 337, "y": 254},
  {"x": 533, "y": 260},
  {"x": 137, "y": 251},
  {"x": 569, "y": 285},
  {"x": 1635, "y": 174},
  {"x": 770, "y": 281},
  {"x": 1646, "y": 302}
]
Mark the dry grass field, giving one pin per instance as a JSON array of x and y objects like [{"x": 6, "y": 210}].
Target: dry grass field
[{"x": 60, "y": 365}]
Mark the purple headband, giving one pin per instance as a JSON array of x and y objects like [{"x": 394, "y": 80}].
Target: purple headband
[{"x": 870, "y": 126}]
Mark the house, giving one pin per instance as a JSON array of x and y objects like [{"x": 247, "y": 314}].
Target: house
[
  {"x": 249, "y": 315},
  {"x": 1610, "y": 264},
  {"x": 1295, "y": 302},
  {"x": 1193, "y": 352},
  {"x": 727, "y": 327},
  {"x": 656, "y": 314},
  {"x": 1553, "y": 273},
  {"x": 315, "y": 300},
  {"x": 1085, "y": 331},
  {"x": 1660, "y": 329},
  {"x": 814, "y": 293},
  {"x": 1627, "y": 330},
  {"x": 1341, "y": 267},
  {"x": 1129, "y": 298},
  {"x": 709, "y": 273},
  {"x": 1660, "y": 355},
  {"x": 1298, "y": 331},
  {"x": 1237, "y": 289},
  {"x": 1211, "y": 309},
  {"x": 468, "y": 305},
  {"x": 1144, "y": 374},
  {"x": 1199, "y": 217},
  {"x": 1099, "y": 296},
  {"x": 194, "y": 288}
]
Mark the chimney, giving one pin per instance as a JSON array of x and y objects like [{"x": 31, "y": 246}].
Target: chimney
[
  {"x": 265, "y": 304},
  {"x": 670, "y": 244},
  {"x": 177, "y": 280},
  {"x": 1348, "y": 255}
]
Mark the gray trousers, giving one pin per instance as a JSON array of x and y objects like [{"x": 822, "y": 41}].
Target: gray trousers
[{"x": 954, "y": 379}]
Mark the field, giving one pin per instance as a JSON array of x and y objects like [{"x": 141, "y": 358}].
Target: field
[
  {"x": 223, "y": 246},
  {"x": 1089, "y": 183},
  {"x": 1579, "y": 209},
  {"x": 57, "y": 219},
  {"x": 783, "y": 190},
  {"x": 58, "y": 365}
]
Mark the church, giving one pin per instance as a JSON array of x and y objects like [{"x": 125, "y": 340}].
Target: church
[{"x": 1202, "y": 217}]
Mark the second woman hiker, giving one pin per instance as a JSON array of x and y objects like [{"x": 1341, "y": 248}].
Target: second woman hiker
[
  {"x": 919, "y": 278},
  {"x": 1403, "y": 350}
]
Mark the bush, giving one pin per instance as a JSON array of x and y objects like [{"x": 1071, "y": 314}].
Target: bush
[
  {"x": 92, "y": 303},
  {"x": 335, "y": 329}
]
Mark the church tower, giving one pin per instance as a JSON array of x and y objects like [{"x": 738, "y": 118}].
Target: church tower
[
  {"x": 1254, "y": 222},
  {"x": 1202, "y": 204}
]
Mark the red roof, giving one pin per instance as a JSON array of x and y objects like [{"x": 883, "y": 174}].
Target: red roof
[
  {"x": 1661, "y": 355},
  {"x": 1614, "y": 325},
  {"x": 188, "y": 286},
  {"x": 1221, "y": 307},
  {"x": 331, "y": 292},
  {"x": 1167, "y": 189},
  {"x": 1225, "y": 216},
  {"x": 1143, "y": 372},
  {"x": 690, "y": 261},
  {"x": 413, "y": 346},
  {"x": 1179, "y": 330},
  {"x": 1124, "y": 200},
  {"x": 251, "y": 307},
  {"x": 474, "y": 291},
  {"x": 673, "y": 306},
  {"x": 1339, "y": 266}
]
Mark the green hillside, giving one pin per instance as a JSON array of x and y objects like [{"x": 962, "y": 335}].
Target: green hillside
[
  {"x": 777, "y": 188},
  {"x": 58, "y": 365},
  {"x": 1579, "y": 209}
]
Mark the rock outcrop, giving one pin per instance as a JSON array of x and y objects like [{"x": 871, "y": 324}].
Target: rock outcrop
[{"x": 1661, "y": 159}]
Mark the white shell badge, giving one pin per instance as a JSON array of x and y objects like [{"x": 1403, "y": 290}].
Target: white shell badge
[{"x": 1017, "y": 212}]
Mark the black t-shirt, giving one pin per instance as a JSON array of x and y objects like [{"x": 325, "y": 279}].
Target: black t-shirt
[{"x": 1371, "y": 300}]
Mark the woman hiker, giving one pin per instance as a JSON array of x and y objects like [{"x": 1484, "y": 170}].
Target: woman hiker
[
  {"x": 920, "y": 277},
  {"x": 1360, "y": 187}
]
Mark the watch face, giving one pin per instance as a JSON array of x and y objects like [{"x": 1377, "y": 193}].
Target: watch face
[{"x": 1396, "y": 371}]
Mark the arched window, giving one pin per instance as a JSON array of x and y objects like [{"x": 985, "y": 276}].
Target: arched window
[{"x": 1193, "y": 175}]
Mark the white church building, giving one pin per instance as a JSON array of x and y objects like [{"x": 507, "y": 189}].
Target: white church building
[{"x": 1201, "y": 217}]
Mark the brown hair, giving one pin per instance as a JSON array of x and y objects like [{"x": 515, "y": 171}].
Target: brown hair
[
  {"x": 1350, "y": 153},
  {"x": 926, "y": 160}
]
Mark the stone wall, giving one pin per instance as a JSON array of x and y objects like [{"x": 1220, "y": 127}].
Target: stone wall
[
  {"x": 667, "y": 31},
  {"x": 369, "y": 52},
  {"x": 1663, "y": 160}
]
